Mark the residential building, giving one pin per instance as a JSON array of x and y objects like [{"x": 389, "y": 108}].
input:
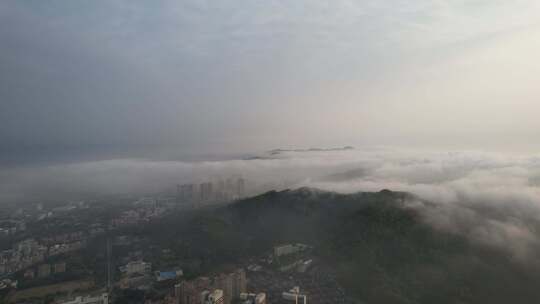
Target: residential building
[
  {"x": 168, "y": 275},
  {"x": 295, "y": 296},
  {"x": 136, "y": 267},
  {"x": 44, "y": 270},
  {"x": 252, "y": 298},
  {"x": 59, "y": 267},
  {"x": 186, "y": 193},
  {"x": 214, "y": 297},
  {"x": 225, "y": 282},
  {"x": 239, "y": 283},
  {"x": 287, "y": 249},
  {"x": 206, "y": 191},
  {"x": 102, "y": 299},
  {"x": 240, "y": 187},
  {"x": 189, "y": 292},
  {"x": 233, "y": 284},
  {"x": 304, "y": 266},
  {"x": 66, "y": 247},
  {"x": 136, "y": 281},
  {"x": 29, "y": 274}
]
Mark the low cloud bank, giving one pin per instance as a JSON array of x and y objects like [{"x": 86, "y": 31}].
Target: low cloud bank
[{"x": 491, "y": 198}]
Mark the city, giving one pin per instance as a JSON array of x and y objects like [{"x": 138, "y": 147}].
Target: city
[{"x": 95, "y": 252}]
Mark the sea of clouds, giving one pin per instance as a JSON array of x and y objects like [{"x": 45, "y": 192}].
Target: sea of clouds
[{"x": 491, "y": 198}]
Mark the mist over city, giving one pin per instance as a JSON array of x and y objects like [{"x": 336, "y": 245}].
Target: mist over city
[{"x": 269, "y": 152}]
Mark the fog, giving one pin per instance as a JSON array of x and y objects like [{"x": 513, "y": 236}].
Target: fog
[
  {"x": 491, "y": 198},
  {"x": 445, "y": 177}
]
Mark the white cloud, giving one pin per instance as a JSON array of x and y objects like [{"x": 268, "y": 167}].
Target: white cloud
[{"x": 491, "y": 198}]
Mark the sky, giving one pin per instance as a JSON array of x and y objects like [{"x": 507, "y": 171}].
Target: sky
[{"x": 87, "y": 80}]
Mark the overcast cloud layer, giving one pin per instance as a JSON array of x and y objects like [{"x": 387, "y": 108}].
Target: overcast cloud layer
[{"x": 131, "y": 78}]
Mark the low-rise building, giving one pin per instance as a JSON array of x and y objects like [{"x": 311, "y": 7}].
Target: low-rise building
[
  {"x": 214, "y": 297},
  {"x": 295, "y": 296},
  {"x": 66, "y": 247},
  {"x": 23, "y": 255},
  {"x": 29, "y": 274},
  {"x": 252, "y": 298},
  {"x": 287, "y": 249},
  {"x": 136, "y": 267},
  {"x": 138, "y": 281},
  {"x": 168, "y": 275},
  {"x": 8, "y": 283},
  {"x": 44, "y": 270},
  {"x": 102, "y": 299},
  {"x": 304, "y": 266},
  {"x": 59, "y": 267},
  {"x": 231, "y": 285}
]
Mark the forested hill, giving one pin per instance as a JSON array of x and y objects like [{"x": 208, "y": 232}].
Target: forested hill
[
  {"x": 309, "y": 215},
  {"x": 382, "y": 250}
]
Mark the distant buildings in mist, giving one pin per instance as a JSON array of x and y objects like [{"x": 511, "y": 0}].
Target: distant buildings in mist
[{"x": 211, "y": 191}]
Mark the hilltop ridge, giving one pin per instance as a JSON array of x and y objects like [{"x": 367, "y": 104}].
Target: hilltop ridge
[{"x": 381, "y": 248}]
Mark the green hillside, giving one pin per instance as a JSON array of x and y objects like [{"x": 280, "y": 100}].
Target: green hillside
[{"x": 382, "y": 250}]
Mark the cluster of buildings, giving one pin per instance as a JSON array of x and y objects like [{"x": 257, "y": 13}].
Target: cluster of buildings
[
  {"x": 29, "y": 252},
  {"x": 220, "y": 191},
  {"x": 213, "y": 297},
  {"x": 101, "y": 299},
  {"x": 137, "y": 216},
  {"x": 253, "y": 298},
  {"x": 8, "y": 283},
  {"x": 23, "y": 255},
  {"x": 63, "y": 238},
  {"x": 11, "y": 227},
  {"x": 229, "y": 285},
  {"x": 138, "y": 275},
  {"x": 223, "y": 288},
  {"x": 168, "y": 275},
  {"x": 287, "y": 249},
  {"x": 294, "y": 295},
  {"x": 58, "y": 249},
  {"x": 75, "y": 238},
  {"x": 291, "y": 257},
  {"x": 40, "y": 213},
  {"x": 45, "y": 270},
  {"x": 299, "y": 265},
  {"x": 136, "y": 267}
]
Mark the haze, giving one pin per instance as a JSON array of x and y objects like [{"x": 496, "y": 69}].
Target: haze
[
  {"x": 195, "y": 151},
  {"x": 107, "y": 79}
]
